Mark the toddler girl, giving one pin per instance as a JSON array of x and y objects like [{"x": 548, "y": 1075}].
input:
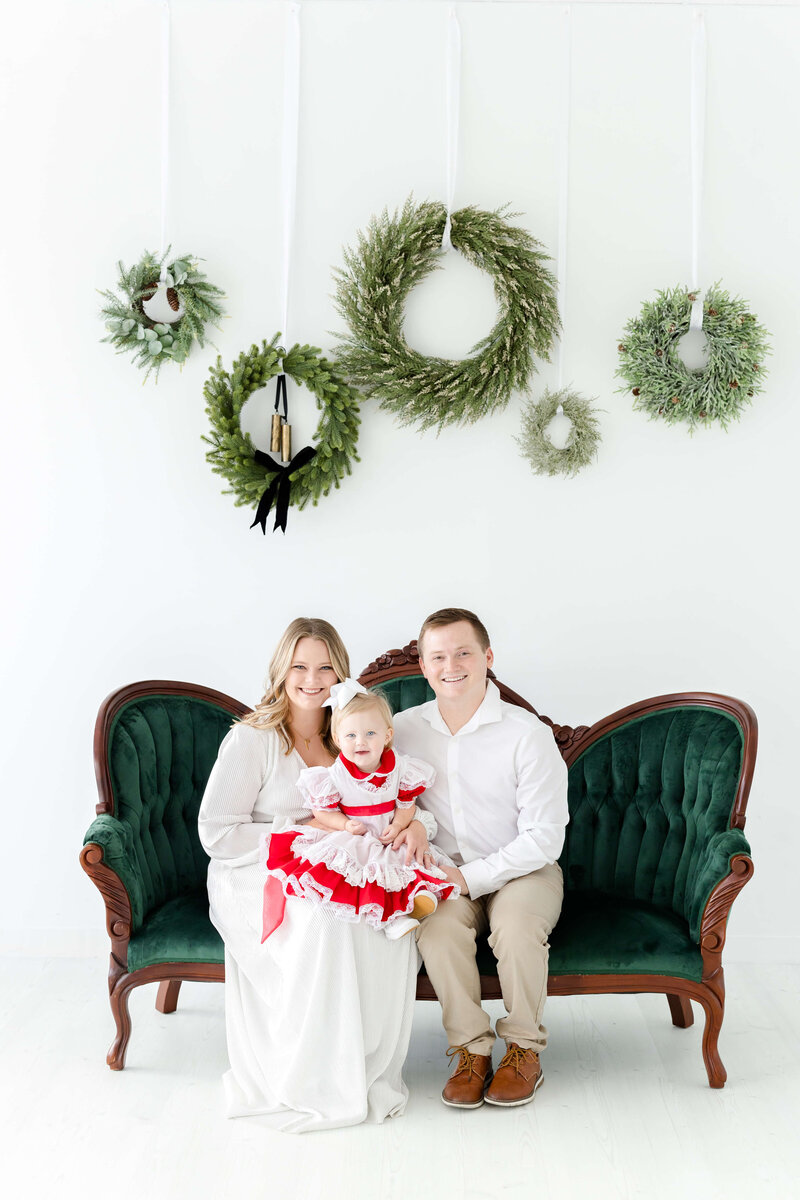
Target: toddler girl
[{"x": 345, "y": 859}]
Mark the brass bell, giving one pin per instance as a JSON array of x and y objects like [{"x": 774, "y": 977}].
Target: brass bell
[
  {"x": 275, "y": 435},
  {"x": 286, "y": 443}
]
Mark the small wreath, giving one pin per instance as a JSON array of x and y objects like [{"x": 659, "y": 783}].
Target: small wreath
[
  {"x": 232, "y": 452},
  {"x": 396, "y": 254},
  {"x": 584, "y": 438},
  {"x": 156, "y": 320},
  {"x": 663, "y": 386}
]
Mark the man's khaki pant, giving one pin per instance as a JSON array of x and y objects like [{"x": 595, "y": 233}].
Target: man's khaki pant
[{"x": 519, "y": 917}]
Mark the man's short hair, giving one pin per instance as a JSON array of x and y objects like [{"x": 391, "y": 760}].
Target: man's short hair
[{"x": 449, "y": 616}]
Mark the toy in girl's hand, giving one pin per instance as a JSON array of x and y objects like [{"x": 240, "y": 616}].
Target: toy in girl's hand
[{"x": 345, "y": 860}]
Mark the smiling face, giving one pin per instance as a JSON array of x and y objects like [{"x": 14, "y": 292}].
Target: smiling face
[
  {"x": 362, "y": 738},
  {"x": 455, "y": 665},
  {"x": 310, "y": 676}
]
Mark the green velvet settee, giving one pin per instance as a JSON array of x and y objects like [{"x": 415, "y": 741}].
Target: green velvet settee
[{"x": 654, "y": 855}]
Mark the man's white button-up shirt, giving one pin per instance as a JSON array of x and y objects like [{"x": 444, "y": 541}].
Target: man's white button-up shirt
[{"x": 500, "y": 796}]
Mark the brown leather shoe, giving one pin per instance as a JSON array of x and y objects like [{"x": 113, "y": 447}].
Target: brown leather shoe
[
  {"x": 466, "y": 1085},
  {"x": 517, "y": 1078}
]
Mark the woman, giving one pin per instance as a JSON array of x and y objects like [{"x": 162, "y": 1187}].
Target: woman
[{"x": 318, "y": 1017}]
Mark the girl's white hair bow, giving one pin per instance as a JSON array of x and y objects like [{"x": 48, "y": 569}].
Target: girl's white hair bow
[{"x": 342, "y": 693}]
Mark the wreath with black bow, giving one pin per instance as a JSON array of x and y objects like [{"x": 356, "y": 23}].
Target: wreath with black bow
[{"x": 257, "y": 479}]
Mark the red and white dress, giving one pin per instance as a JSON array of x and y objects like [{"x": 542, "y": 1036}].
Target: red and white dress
[{"x": 355, "y": 875}]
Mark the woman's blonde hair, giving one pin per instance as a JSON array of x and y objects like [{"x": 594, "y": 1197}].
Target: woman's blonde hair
[
  {"x": 361, "y": 703},
  {"x": 272, "y": 710}
]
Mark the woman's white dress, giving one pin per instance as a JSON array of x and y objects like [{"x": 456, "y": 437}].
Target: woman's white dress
[{"x": 318, "y": 1017}]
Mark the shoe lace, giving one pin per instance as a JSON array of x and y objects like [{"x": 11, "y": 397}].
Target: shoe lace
[
  {"x": 516, "y": 1057},
  {"x": 466, "y": 1061}
]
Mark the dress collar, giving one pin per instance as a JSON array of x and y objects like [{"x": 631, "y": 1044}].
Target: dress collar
[
  {"x": 488, "y": 711},
  {"x": 384, "y": 767}
]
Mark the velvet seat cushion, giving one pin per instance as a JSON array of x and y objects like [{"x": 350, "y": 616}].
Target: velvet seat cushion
[
  {"x": 599, "y": 934},
  {"x": 178, "y": 931}
]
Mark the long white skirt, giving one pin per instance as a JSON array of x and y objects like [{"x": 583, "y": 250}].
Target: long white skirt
[{"x": 318, "y": 1017}]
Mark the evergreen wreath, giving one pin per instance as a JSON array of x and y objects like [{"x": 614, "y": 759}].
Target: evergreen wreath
[
  {"x": 152, "y": 342},
  {"x": 663, "y": 386},
  {"x": 232, "y": 452},
  {"x": 584, "y": 438},
  {"x": 398, "y": 252}
]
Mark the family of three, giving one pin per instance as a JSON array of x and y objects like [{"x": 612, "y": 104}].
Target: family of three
[{"x": 344, "y": 842}]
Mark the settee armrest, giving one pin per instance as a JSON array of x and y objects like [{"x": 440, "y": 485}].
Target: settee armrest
[
  {"x": 116, "y": 840},
  {"x": 713, "y": 867}
]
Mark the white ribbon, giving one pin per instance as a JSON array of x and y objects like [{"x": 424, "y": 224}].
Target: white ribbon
[
  {"x": 342, "y": 693},
  {"x": 165, "y": 48},
  {"x": 698, "y": 135},
  {"x": 291, "y": 114},
  {"x": 453, "y": 77},
  {"x": 563, "y": 194}
]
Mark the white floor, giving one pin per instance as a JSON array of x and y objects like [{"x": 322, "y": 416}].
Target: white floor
[{"x": 625, "y": 1110}]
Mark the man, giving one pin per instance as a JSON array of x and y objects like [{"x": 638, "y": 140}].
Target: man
[{"x": 500, "y": 801}]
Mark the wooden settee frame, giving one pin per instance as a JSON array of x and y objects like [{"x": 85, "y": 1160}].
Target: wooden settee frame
[{"x": 709, "y": 991}]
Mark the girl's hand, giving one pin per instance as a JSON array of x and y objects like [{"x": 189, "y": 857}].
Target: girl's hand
[
  {"x": 357, "y": 827},
  {"x": 389, "y": 834}
]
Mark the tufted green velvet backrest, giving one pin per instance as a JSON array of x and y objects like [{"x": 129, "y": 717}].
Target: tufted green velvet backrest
[
  {"x": 160, "y": 753},
  {"x": 646, "y": 799},
  {"x": 405, "y": 692}
]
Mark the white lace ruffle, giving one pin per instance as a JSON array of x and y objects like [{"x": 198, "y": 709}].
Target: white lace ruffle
[
  {"x": 317, "y": 788},
  {"x": 305, "y": 887},
  {"x": 415, "y": 773},
  {"x": 392, "y": 877}
]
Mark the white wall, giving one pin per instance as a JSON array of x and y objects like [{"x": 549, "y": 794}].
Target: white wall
[{"x": 668, "y": 565}]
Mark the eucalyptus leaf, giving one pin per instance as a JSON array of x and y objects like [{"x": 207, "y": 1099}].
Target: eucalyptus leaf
[{"x": 154, "y": 348}]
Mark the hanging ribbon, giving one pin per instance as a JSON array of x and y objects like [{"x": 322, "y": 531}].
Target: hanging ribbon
[
  {"x": 563, "y": 194},
  {"x": 698, "y": 133},
  {"x": 291, "y": 115},
  {"x": 165, "y": 57},
  {"x": 280, "y": 395},
  {"x": 279, "y": 489},
  {"x": 453, "y": 76}
]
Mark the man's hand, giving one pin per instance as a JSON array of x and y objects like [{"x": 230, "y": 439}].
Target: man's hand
[
  {"x": 455, "y": 876},
  {"x": 415, "y": 839}
]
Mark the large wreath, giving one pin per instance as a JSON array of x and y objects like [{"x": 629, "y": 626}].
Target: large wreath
[
  {"x": 158, "y": 320},
  {"x": 399, "y": 251},
  {"x": 232, "y": 452},
  {"x": 661, "y": 383},
  {"x": 584, "y": 437}
]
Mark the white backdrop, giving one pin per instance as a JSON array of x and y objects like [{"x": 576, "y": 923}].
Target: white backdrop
[{"x": 668, "y": 565}]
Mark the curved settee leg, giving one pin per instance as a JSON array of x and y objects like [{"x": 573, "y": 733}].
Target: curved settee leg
[
  {"x": 714, "y": 1005},
  {"x": 122, "y": 1018},
  {"x": 680, "y": 1008},
  {"x": 167, "y": 998}
]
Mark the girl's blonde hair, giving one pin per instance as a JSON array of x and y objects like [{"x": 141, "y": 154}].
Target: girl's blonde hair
[
  {"x": 272, "y": 710},
  {"x": 361, "y": 703}
]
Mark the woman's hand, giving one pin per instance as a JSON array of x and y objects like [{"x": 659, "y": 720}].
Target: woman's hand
[
  {"x": 415, "y": 839},
  {"x": 357, "y": 827}
]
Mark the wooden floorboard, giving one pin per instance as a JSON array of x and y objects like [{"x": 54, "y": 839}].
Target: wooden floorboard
[{"x": 625, "y": 1110}]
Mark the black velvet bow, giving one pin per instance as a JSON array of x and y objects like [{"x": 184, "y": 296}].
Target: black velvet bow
[{"x": 279, "y": 489}]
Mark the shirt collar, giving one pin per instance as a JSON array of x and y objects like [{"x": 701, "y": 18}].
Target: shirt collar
[
  {"x": 488, "y": 711},
  {"x": 384, "y": 767}
]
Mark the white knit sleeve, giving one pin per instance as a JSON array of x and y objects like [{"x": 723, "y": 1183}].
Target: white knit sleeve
[{"x": 225, "y": 822}]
